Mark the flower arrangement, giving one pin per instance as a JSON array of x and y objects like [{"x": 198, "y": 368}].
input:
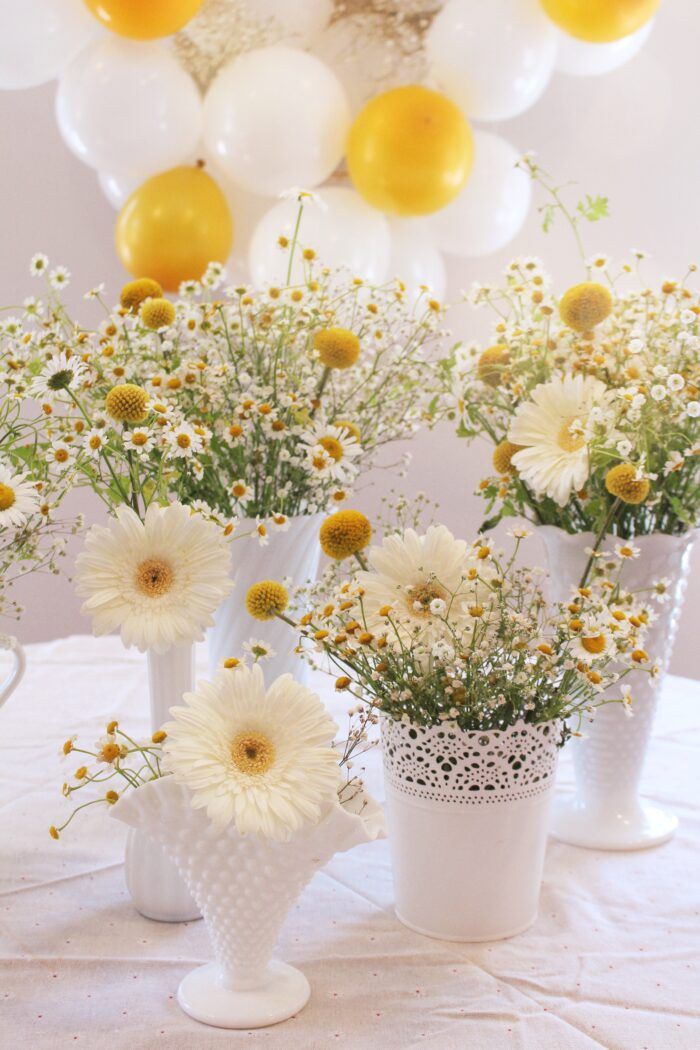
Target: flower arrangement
[
  {"x": 33, "y": 530},
  {"x": 242, "y": 403},
  {"x": 260, "y": 759},
  {"x": 433, "y": 630},
  {"x": 591, "y": 401}
]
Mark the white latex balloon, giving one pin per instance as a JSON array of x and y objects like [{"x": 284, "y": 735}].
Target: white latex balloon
[
  {"x": 347, "y": 233},
  {"x": 414, "y": 258},
  {"x": 276, "y": 117},
  {"x": 493, "y": 205},
  {"x": 39, "y": 37},
  {"x": 117, "y": 188},
  {"x": 128, "y": 108},
  {"x": 301, "y": 21},
  {"x": 494, "y": 58},
  {"x": 582, "y": 59}
]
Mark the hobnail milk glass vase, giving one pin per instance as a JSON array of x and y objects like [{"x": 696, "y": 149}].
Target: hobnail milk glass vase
[
  {"x": 467, "y": 813},
  {"x": 296, "y": 553},
  {"x": 152, "y": 879},
  {"x": 606, "y": 811},
  {"x": 245, "y": 886},
  {"x": 19, "y": 664}
]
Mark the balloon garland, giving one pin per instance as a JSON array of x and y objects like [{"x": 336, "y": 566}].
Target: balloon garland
[{"x": 373, "y": 100}]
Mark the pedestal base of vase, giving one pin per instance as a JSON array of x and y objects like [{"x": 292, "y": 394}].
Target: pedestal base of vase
[
  {"x": 203, "y": 995},
  {"x": 637, "y": 826},
  {"x": 497, "y": 935}
]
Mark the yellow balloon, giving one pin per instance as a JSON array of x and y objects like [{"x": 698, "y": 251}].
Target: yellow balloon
[
  {"x": 600, "y": 21},
  {"x": 144, "y": 19},
  {"x": 173, "y": 226},
  {"x": 410, "y": 151}
]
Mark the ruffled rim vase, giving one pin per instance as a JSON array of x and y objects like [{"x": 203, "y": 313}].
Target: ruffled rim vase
[
  {"x": 14, "y": 676},
  {"x": 295, "y": 552},
  {"x": 467, "y": 813},
  {"x": 155, "y": 886},
  {"x": 606, "y": 810},
  {"x": 244, "y": 886}
]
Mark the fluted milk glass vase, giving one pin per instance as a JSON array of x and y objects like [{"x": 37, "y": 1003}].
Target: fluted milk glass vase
[{"x": 606, "y": 810}]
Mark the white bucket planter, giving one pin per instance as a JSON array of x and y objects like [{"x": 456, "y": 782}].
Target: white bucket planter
[
  {"x": 606, "y": 810},
  {"x": 152, "y": 879},
  {"x": 294, "y": 553},
  {"x": 245, "y": 886},
  {"x": 467, "y": 813}
]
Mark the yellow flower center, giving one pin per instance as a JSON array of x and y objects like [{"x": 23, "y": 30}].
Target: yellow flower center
[
  {"x": 154, "y": 577},
  {"x": 139, "y": 439},
  {"x": 252, "y": 753},
  {"x": 127, "y": 403},
  {"x": 567, "y": 441},
  {"x": 184, "y": 440},
  {"x": 424, "y": 594},
  {"x": 332, "y": 447},
  {"x": 594, "y": 644},
  {"x": 109, "y": 752},
  {"x": 345, "y": 533},
  {"x": 7, "y": 497}
]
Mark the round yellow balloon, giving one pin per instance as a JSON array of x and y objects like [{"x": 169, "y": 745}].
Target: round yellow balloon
[
  {"x": 144, "y": 19},
  {"x": 600, "y": 21},
  {"x": 173, "y": 226},
  {"x": 410, "y": 151}
]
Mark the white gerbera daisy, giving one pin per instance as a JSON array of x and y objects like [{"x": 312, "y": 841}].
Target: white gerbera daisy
[
  {"x": 261, "y": 759},
  {"x": 60, "y": 373},
  {"x": 551, "y": 428},
  {"x": 409, "y": 573},
  {"x": 158, "y": 580},
  {"x": 18, "y": 498}
]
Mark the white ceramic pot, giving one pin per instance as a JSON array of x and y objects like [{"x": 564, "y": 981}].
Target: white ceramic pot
[
  {"x": 245, "y": 886},
  {"x": 606, "y": 811},
  {"x": 467, "y": 814},
  {"x": 294, "y": 553},
  {"x": 152, "y": 879},
  {"x": 19, "y": 665}
]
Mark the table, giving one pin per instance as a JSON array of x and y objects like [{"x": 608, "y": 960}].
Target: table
[{"x": 611, "y": 962}]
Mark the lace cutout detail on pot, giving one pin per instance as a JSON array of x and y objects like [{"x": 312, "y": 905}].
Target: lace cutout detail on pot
[{"x": 470, "y": 767}]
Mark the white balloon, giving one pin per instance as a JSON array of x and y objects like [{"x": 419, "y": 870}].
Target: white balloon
[
  {"x": 493, "y": 205},
  {"x": 303, "y": 20},
  {"x": 39, "y": 37},
  {"x": 414, "y": 258},
  {"x": 494, "y": 58},
  {"x": 347, "y": 233},
  {"x": 276, "y": 117},
  {"x": 128, "y": 108},
  {"x": 117, "y": 188},
  {"x": 579, "y": 58}
]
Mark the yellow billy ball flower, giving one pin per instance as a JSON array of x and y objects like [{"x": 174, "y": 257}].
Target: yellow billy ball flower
[
  {"x": 127, "y": 403},
  {"x": 585, "y": 305},
  {"x": 491, "y": 364},
  {"x": 157, "y": 313},
  {"x": 622, "y": 481},
  {"x": 344, "y": 533},
  {"x": 136, "y": 292},
  {"x": 266, "y": 599},
  {"x": 337, "y": 347},
  {"x": 502, "y": 456}
]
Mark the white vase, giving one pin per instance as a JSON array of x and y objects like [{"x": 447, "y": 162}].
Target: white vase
[
  {"x": 152, "y": 879},
  {"x": 467, "y": 814},
  {"x": 16, "y": 672},
  {"x": 606, "y": 810},
  {"x": 245, "y": 886},
  {"x": 296, "y": 553}
]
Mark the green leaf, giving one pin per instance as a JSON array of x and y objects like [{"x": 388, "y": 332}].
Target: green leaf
[
  {"x": 548, "y": 213},
  {"x": 593, "y": 208}
]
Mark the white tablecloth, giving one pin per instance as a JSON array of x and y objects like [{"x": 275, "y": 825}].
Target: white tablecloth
[{"x": 611, "y": 962}]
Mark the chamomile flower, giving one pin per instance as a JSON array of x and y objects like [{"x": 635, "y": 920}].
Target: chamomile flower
[
  {"x": 60, "y": 373},
  {"x": 627, "y": 550},
  {"x": 259, "y": 649},
  {"x": 18, "y": 497},
  {"x": 140, "y": 440},
  {"x": 183, "y": 441},
  {"x": 38, "y": 264}
]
